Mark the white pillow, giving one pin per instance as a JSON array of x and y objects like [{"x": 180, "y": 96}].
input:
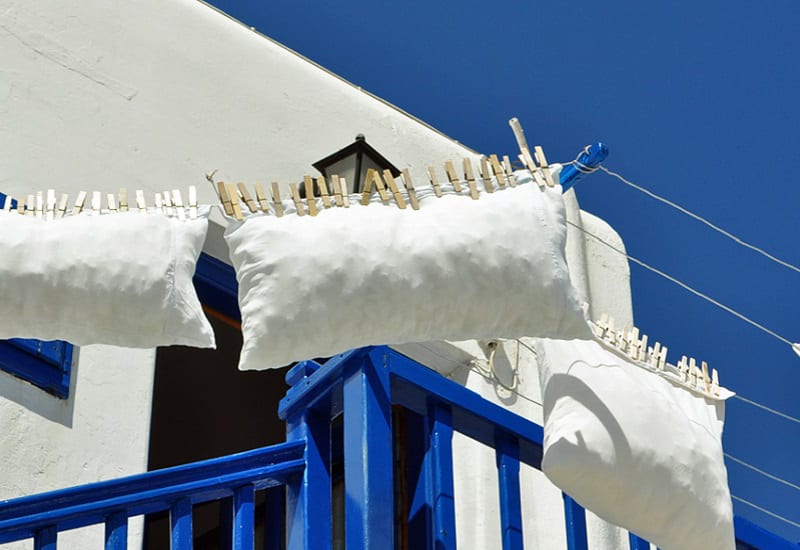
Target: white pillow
[
  {"x": 634, "y": 446},
  {"x": 455, "y": 269},
  {"x": 121, "y": 279}
]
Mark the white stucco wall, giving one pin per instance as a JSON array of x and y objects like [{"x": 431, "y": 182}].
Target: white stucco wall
[{"x": 154, "y": 94}]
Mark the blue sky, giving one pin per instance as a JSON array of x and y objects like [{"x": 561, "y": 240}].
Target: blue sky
[{"x": 697, "y": 101}]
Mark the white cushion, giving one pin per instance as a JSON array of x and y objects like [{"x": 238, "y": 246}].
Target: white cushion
[
  {"x": 635, "y": 447},
  {"x": 121, "y": 279},
  {"x": 455, "y": 269}
]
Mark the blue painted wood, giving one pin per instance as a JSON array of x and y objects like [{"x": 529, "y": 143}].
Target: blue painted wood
[
  {"x": 45, "y": 538},
  {"x": 244, "y": 526},
  {"x": 216, "y": 286},
  {"x": 591, "y": 157},
  {"x": 149, "y": 492},
  {"x": 575, "y": 517},
  {"x": 415, "y": 386},
  {"x": 758, "y": 537},
  {"x": 45, "y": 364},
  {"x": 274, "y": 515},
  {"x": 180, "y": 523},
  {"x": 637, "y": 543},
  {"x": 507, "y": 456},
  {"x": 117, "y": 531},
  {"x": 418, "y": 478},
  {"x": 368, "y": 458},
  {"x": 444, "y": 510},
  {"x": 308, "y": 497}
]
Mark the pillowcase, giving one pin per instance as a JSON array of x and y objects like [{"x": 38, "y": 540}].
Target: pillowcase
[
  {"x": 455, "y": 269},
  {"x": 121, "y": 279},
  {"x": 635, "y": 446}
]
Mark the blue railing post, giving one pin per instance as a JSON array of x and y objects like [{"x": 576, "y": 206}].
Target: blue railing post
[
  {"x": 180, "y": 519},
  {"x": 637, "y": 543},
  {"x": 368, "y": 456},
  {"x": 591, "y": 157},
  {"x": 441, "y": 464},
  {"x": 507, "y": 456},
  {"x": 244, "y": 518},
  {"x": 575, "y": 518},
  {"x": 45, "y": 538},
  {"x": 117, "y": 531}
]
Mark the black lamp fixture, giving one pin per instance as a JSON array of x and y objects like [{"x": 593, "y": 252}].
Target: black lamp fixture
[{"x": 352, "y": 163}]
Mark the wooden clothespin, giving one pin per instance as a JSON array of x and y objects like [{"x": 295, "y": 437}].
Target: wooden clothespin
[
  {"x": 277, "y": 202},
  {"x": 168, "y": 200},
  {"x": 177, "y": 200},
  {"x": 7, "y": 203},
  {"x": 366, "y": 193},
  {"x": 692, "y": 372},
  {"x": 610, "y": 335},
  {"x": 235, "y": 204},
  {"x": 434, "y": 181},
  {"x": 140, "y": 202},
  {"x": 337, "y": 191},
  {"x": 323, "y": 192},
  {"x": 345, "y": 194},
  {"x": 123, "y": 199},
  {"x": 653, "y": 359},
  {"x": 96, "y": 204},
  {"x": 261, "y": 197},
  {"x": 602, "y": 325},
  {"x": 512, "y": 179},
  {"x": 380, "y": 186},
  {"x": 79, "y": 202},
  {"x": 192, "y": 202},
  {"x": 412, "y": 193},
  {"x": 498, "y": 171},
  {"x": 389, "y": 178},
  {"x": 62, "y": 205},
  {"x": 39, "y": 204},
  {"x": 159, "y": 202},
  {"x": 311, "y": 199},
  {"x": 112, "y": 203},
  {"x": 248, "y": 199},
  {"x": 20, "y": 208},
  {"x": 486, "y": 175},
  {"x": 661, "y": 361},
  {"x": 50, "y": 205},
  {"x": 469, "y": 175},
  {"x": 642, "y": 356},
  {"x": 714, "y": 383},
  {"x": 519, "y": 135},
  {"x": 224, "y": 197},
  {"x": 452, "y": 176},
  {"x": 548, "y": 177},
  {"x": 706, "y": 378},
  {"x": 633, "y": 343},
  {"x": 683, "y": 368},
  {"x": 298, "y": 204}
]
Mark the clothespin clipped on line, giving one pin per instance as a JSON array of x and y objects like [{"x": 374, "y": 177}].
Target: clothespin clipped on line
[
  {"x": 248, "y": 199},
  {"x": 159, "y": 202},
  {"x": 398, "y": 198},
  {"x": 224, "y": 198},
  {"x": 51, "y": 205},
  {"x": 96, "y": 204},
  {"x": 412, "y": 193},
  {"x": 123, "y": 199},
  {"x": 338, "y": 198},
  {"x": 525, "y": 153},
  {"x": 434, "y": 181},
  {"x": 298, "y": 204},
  {"x": 112, "y": 203},
  {"x": 39, "y": 204},
  {"x": 486, "y": 175},
  {"x": 261, "y": 197},
  {"x": 80, "y": 200},
  {"x": 469, "y": 175},
  {"x": 177, "y": 200},
  {"x": 140, "y": 202},
  {"x": 235, "y": 205},
  {"x": 323, "y": 191},
  {"x": 276, "y": 199},
  {"x": 192, "y": 202},
  {"x": 512, "y": 179},
  {"x": 452, "y": 176},
  {"x": 498, "y": 171},
  {"x": 7, "y": 203},
  {"x": 310, "y": 198}
]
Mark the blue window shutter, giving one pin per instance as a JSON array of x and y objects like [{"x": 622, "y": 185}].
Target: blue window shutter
[{"x": 44, "y": 364}]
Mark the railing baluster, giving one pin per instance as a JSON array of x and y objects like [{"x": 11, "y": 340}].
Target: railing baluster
[
  {"x": 117, "y": 531},
  {"x": 274, "y": 512},
  {"x": 441, "y": 446},
  {"x": 180, "y": 519},
  {"x": 244, "y": 518},
  {"x": 637, "y": 543},
  {"x": 575, "y": 517},
  {"x": 507, "y": 456},
  {"x": 368, "y": 457},
  {"x": 45, "y": 539}
]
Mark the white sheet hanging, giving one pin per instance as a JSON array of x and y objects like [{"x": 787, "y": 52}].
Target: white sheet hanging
[{"x": 121, "y": 279}]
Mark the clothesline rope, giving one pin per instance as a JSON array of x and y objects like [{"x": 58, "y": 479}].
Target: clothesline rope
[
  {"x": 701, "y": 219},
  {"x": 683, "y": 285}
]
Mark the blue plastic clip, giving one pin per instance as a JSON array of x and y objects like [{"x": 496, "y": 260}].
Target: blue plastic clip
[{"x": 591, "y": 157}]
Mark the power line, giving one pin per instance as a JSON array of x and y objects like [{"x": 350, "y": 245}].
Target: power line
[
  {"x": 759, "y": 508},
  {"x": 702, "y": 220},
  {"x": 768, "y": 409}
]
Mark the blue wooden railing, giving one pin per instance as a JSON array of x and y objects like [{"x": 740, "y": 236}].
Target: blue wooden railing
[{"x": 347, "y": 420}]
